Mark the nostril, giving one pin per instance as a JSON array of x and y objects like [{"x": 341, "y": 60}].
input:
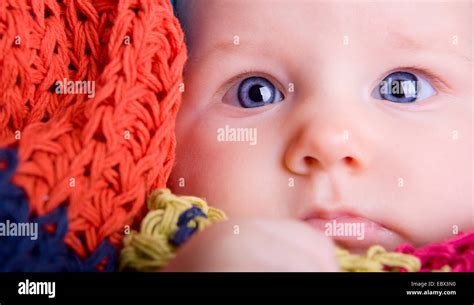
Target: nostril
[
  {"x": 310, "y": 161},
  {"x": 350, "y": 161}
]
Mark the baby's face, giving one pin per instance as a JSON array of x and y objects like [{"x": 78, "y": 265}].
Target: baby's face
[{"x": 291, "y": 109}]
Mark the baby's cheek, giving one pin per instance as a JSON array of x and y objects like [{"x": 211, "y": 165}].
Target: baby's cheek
[
  {"x": 439, "y": 195},
  {"x": 218, "y": 170}
]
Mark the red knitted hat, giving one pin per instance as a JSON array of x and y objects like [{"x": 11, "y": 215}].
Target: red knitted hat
[{"x": 97, "y": 155}]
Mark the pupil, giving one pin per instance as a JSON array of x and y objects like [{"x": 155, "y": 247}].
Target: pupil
[
  {"x": 397, "y": 89},
  {"x": 256, "y": 93}
]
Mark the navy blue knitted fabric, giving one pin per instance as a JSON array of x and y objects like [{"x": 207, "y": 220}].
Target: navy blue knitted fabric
[{"x": 46, "y": 251}]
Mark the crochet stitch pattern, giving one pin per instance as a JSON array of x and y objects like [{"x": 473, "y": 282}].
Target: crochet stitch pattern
[
  {"x": 97, "y": 157},
  {"x": 169, "y": 223},
  {"x": 81, "y": 166}
]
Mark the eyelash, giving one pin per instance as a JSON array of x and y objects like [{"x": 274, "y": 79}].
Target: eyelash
[
  {"x": 247, "y": 73},
  {"x": 438, "y": 83}
]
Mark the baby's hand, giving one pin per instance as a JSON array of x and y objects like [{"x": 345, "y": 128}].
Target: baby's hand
[{"x": 256, "y": 245}]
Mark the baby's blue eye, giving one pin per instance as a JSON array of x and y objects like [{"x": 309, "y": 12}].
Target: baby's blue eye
[
  {"x": 403, "y": 87},
  {"x": 257, "y": 92}
]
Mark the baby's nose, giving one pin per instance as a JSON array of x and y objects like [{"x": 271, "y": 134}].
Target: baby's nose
[{"x": 321, "y": 146}]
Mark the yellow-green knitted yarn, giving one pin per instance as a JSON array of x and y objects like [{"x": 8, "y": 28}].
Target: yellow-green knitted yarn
[
  {"x": 150, "y": 249},
  {"x": 377, "y": 260}
]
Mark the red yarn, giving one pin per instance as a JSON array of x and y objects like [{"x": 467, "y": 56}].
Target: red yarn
[
  {"x": 118, "y": 145},
  {"x": 457, "y": 253},
  {"x": 70, "y": 136}
]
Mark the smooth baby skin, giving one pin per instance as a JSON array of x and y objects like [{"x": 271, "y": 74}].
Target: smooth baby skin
[{"x": 328, "y": 146}]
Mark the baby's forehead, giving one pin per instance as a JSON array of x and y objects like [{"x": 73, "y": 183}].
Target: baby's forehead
[{"x": 407, "y": 25}]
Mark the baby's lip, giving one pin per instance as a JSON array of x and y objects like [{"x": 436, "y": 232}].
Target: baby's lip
[{"x": 355, "y": 232}]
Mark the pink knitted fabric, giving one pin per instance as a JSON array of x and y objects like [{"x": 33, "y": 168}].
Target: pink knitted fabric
[{"x": 458, "y": 253}]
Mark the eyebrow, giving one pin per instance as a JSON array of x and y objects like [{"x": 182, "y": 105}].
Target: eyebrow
[
  {"x": 399, "y": 41},
  {"x": 225, "y": 47},
  {"x": 394, "y": 39}
]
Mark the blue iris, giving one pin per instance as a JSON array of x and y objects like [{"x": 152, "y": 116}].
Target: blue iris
[
  {"x": 399, "y": 87},
  {"x": 257, "y": 92}
]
